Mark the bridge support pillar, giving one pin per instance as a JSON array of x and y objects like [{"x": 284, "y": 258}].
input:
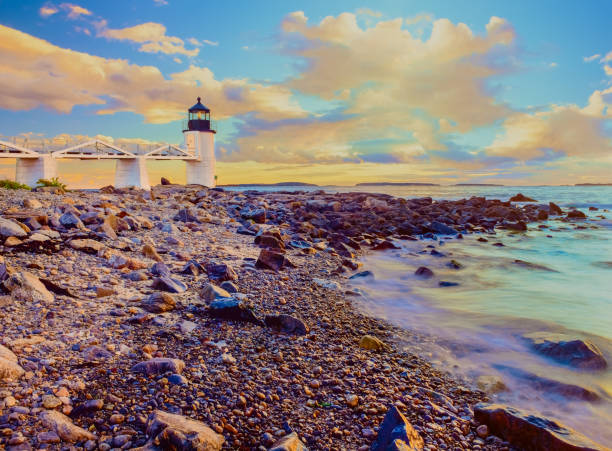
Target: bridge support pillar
[
  {"x": 132, "y": 172},
  {"x": 201, "y": 172},
  {"x": 29, "y": 170}
]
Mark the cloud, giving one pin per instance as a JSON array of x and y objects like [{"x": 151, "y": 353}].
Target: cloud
[
  {"x": 213, "y": 43},
  {"x": 152, "y": 37},
  {"x": 47, "y": 10},
  {"x": 160, "y": 2},
  {"x": 368, "y": 12},
  {"x": 588, "y": 59},
  {"x": 35, "y": 73},
  {"x": 423, "y": 17},
  {"x": 607, "y": 58},
  {"x": 75, "y": 11}
]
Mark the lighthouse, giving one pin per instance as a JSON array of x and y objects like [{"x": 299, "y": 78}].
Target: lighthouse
[{"x": 199, "y": 134}]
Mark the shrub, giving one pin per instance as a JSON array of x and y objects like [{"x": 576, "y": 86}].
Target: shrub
[
  {"x": 9, "y": 184},
  {"x": 53, "y": 182}
]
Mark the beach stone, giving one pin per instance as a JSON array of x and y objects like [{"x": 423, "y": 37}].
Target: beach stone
[
  {"x": 490, "y": 383},
  {"x": 454, "y": 264},
  {"x": 159, "y": 365},
  {"x": 12, "y": 241},
  {"x": 32, "y": 203},
  {"x": 521, "y": 198},
  {"x": 186, "y": 215},
  {"x": 424, "y": 272},
  {"x": 64, "y": 427},
  {"x": 385, "y": 245},
  {"x": 211, "y": 292},
  {"x": 229, "y": 286},
  {"x": 27, "y": 284},
  {"x": 567, "y": 350},
  {"x": 270, "y": 241},
  {"x": 9, "y": 368},
  {"x": 102, "y": 292},
  {"x": 11, "y": 228},
  {"x": 518, "y": 226},
  {"x": 50, "y": 402},
  {"x": 329, "y": 284},
  {"x": 93, "y": 353},
  {"x": 71, "y": 221},
  {"x": 158, "y": 303},
  {"x": 87, "y": 408},
  {"x": 87, "y": 245},
  {"x": 233, "y": 309},
  {"x": 442, "y": 229},
  {"x": 371, "y": 343},
  {"x": 530, "y": 431},
  {"x": 169, "y": 284},
  {"x": 554, "y": 209},
  {"x": 220, "y": 272},
  {"x": 257, "y": 215},
  {"x": 482, "y": 431},
  {"x": 361, "y": 275},
  {"x": 176, "y": 432},
  {"x": 273, "y": 260},
  {"x": 290, "y": 442},
  {"x": 160, "y": 269},
  {"x": 395, "y": 427},
  {"x": 150, "y": 252},
  {"x": 48, "y": 437},
  {"x": 287, "y": 324},
  {"x": 164, "y": 181}
]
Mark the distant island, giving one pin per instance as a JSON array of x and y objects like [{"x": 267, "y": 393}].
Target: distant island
[
  {"x": 477, "y": 184},
  {"x": 273, "y": 184},
  {"x": 593, "y": 184},
  {"x": 396, "y": 184}
]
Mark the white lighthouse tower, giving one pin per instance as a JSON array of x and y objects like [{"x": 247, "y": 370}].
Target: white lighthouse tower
[{"x": 200, "y": 142}]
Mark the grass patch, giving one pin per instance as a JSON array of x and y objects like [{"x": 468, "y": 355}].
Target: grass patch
[
  {"x": 9, "y": 184},
  {"x": 52, "y": 182}
]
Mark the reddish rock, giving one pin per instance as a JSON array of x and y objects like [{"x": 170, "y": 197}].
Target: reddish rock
[
  {"x": 273, "y": 260},
  {"x": 521, "y": 198}
]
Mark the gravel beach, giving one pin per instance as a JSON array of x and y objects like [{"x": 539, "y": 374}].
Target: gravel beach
[{"x": 191, "y": 318}]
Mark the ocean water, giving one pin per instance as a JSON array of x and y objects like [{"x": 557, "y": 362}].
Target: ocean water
[{"x": 475, "y": 329}]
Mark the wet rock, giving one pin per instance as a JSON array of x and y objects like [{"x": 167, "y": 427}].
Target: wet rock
[
  {"x": 395, "y": 427},
  {"x": 384, "y": 245},
  {"x": 529, "y": 431},
  {"x": 64, "y": 427},
  {"x": 27, "y": 286},
  {"x": 446, "y": 283},
  {"x": 554, "y": 209},
  {"x": 371, "y": 343},
  {"x": 87, "y": 408},
  {"x": 454, "y": 264},
  {"x": 11, "y": 228},
  {"x": 442, "y": 229},
  {"x": 290, "y": 442},
  {"x": 490, "y": 384},
  {"x": 518, "y": 226},
  {"x": 220, "y": 272},
  {"x": 169, "y": 284},
  {"x": 530, "y": 265},
  {"x": 233, "y": 309},
  {"x": 329, "y": 284},
  {"x": 567, "y": 350},
  {"x": 521, "y": 198},
  {"x": 576, "y": 214},
  {"x": 159, "y": 365},
  {"x": 211, "y": 292},
  {"x": 287, "y": 324},
  {"x": 424, "y": 272},
  {"x": 362, "y": 274},
  {"x": 273, "y": 260},
  {"x": 158, "y": 303},
  {"x": 176, "y": 432}
]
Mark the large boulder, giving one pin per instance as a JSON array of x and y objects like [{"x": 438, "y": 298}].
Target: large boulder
[
  {"x": 396, "y": 432},
  {"x": 9, "y": 368},
  {"x": 521, "y": 198},
  {"x": 529, "y": 431},
  {"x": 179, "y": 433},
  {"x": 567, "y": 350},
  {"x": 64, "y": 427},
  {"x": 257, "y": 215},
  {"x": 442, "y": 229},
  {"x": 26, "y": 285},
  {"x": 11, "y": 228}
]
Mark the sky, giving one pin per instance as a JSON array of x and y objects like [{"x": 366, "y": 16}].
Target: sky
[{"x": 323, "y": 92}]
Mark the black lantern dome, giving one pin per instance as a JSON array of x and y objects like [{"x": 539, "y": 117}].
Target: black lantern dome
[{"x": 199, "y": 119}]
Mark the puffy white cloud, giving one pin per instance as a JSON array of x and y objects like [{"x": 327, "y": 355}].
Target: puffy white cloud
[
  {"x": 47, "y": 10},
  {"x": 75, "y": 11},
  {"x": 588, "y": 59},
  {"x": 152, "y": 37},
  {"x": 35, "y": 73}
]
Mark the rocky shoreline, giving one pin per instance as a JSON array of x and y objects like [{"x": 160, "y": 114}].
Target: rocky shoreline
[{"x": 191, "y": 318}]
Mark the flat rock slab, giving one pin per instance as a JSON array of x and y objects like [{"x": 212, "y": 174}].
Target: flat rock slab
[
  {"x": 28, "y": 285},
  {"x": 530, "y": 431}
]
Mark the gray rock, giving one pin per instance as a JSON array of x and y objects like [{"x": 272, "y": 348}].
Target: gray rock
[
  {"x": 395, "y": 427},
  {"x": 169, "y": 284},
  {"x": 159, "y": 365},
  {"x": 211, "y": 292},
  {"x": 230, "y": 287},
  {"x": 233, "y": 309},
  {"x": 442, "y": 229},
  {"x": 529, "y": 431},
  {"x": 180, "y": 433},
  {"x": 287, "y": 324},
  {"x": 220, "y": 272},
  {"x": 11, "y": 228},
  {"x": 71, "y": 221}
]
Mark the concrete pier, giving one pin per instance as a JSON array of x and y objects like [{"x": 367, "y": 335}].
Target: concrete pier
[
  {"x": 132, "y": 172},
  {"x": 29, "y": 170}
]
